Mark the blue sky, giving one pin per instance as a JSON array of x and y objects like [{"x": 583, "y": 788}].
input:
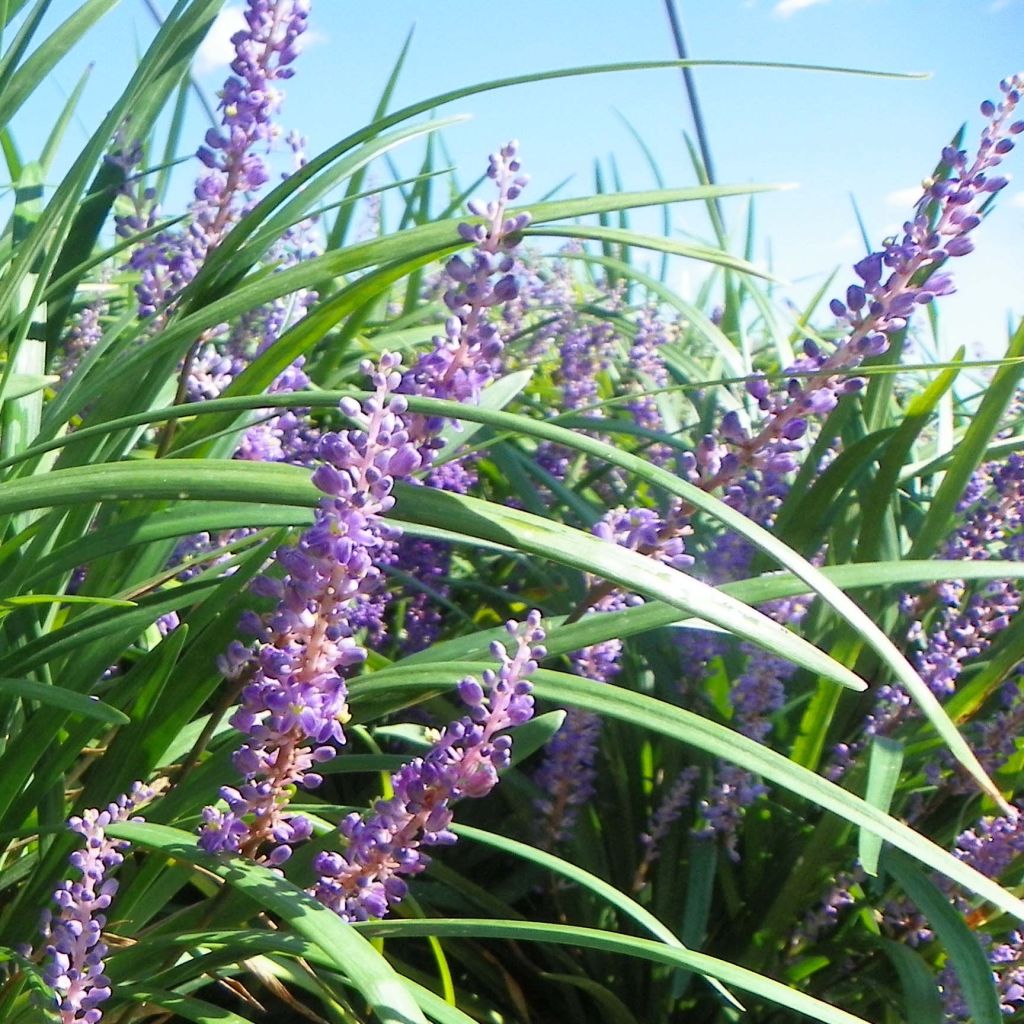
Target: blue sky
[{"x": 832, "y": 135}]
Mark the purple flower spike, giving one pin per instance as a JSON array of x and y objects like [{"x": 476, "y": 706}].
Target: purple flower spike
[
  {"x": 294, "y": 702},
  {"x": 75, "y": 950},
  {"x": 674, "y": 801},
  {"x": 464, "y": 361},
  {"x": 458, "y": 367},
  {"x": 249, "y": 101},
  {"x": 367, "y": 879},
  {"x": 905, "y": 274}
]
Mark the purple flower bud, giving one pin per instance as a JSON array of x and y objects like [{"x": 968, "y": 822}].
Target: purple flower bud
[
  {"x": 795, "y": 429},
  {"x": 731, "y": 429},
  {"x": 959, "y": 246},
  {"x": 327, "y": 479},
  {"x": 902, "y": 303},
  {"x": 873, "y": 344},
  {"x": 758, "y": 388},
  {"x": 471, "y": 693},
  {"x": 855, "y": 297},
  {"x": 406, "y": 460},
  {"x": 819, "y": 403}
]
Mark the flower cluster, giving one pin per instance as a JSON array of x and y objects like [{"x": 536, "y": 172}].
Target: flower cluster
[
  {"x": 585, "y": 349},
  {"x": 74, "y": 948},
  {"x": 951, "y": 625},
  {"x": 646, "y": 363},
  {"x": 993, "y": 844},
  {"x": 965, "y": 628},
  {"x": 294, "y": 703},
  {"x": 264, "y": 51},
  {"x": 366, "y": 880},
  {"x": 991, "y": 847},
  {"x": 464, "y": 360},
  {"x": 674, "y": 801},
  {"x": 460, "y": 365},
  {"x": 906, "y": 273}
]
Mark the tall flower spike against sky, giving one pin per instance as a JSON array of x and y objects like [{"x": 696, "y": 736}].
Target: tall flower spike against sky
[{"x": 764, "y": 126}]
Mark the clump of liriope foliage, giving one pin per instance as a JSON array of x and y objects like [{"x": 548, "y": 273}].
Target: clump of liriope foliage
[{"x": 315, "y": 532}]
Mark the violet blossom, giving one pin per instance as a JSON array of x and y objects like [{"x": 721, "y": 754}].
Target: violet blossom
[
  {"x": 387, "y": 845},
  {"x": 74, "y": 948},
  {"x": 992, "y": 847},
  {"x": 908, "y": 272},
  {"x": 952, "y": 625},
  {"x": 464, "y": 360},
  {"x": 460, "y": 365},
  {"x": 294, "y": 702},
  {"x": 675, "y": 798},
  {"x": 264, "y": 51}
]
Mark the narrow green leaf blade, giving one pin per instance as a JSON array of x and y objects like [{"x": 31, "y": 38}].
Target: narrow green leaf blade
[{"x": 885, "y": 761}]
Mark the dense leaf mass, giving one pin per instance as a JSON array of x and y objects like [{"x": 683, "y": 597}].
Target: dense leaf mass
[{"x": 641, "y": 651}]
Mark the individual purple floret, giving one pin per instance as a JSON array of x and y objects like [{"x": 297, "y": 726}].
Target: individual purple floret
[
  {"x": 294, "y": 703},
  {"x": 906, "y": 273},
  {"x": 385, "y": 846},
  {"x": 74, "y": 948}
]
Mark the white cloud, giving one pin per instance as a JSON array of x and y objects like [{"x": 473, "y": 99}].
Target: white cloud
[
  {"x": 1018, "y": 200},
  {"x": 903, "y": 197},
  {"x": 787, "y": 8},
  {"x": 216, "y": 52}
]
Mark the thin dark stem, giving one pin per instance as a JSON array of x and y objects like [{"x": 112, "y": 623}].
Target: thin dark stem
[
  {"x": 229, "y": 697},
  {"x": 167, "y": 436},
  {"x": 691, "y": 95}
]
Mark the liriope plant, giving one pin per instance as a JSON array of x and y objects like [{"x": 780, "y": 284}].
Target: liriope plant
[{"x": 314, "y": 532}]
